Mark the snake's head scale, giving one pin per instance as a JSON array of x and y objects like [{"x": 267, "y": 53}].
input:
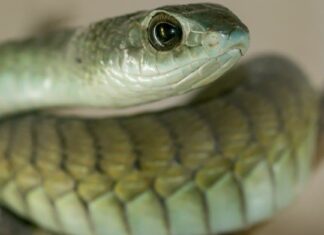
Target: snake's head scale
[{"x": 150, "y": 55}]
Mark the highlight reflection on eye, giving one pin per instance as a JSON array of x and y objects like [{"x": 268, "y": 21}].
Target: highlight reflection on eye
[{"x": 165, "y": 32}]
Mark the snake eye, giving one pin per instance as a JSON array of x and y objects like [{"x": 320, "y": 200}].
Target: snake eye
[{"x": 165, "y": 32}]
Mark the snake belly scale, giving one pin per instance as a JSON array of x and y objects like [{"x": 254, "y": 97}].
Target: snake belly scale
[{"x": 209, "y": 167}]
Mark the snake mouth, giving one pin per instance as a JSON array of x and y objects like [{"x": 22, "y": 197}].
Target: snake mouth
[
  {"x": 198, "y": 73},
  {"x": 210, "y": 70},
  {"x": 185, "y": 78}
]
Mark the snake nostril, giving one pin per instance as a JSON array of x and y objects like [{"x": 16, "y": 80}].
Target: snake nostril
[{"x": 211, "y": 40}]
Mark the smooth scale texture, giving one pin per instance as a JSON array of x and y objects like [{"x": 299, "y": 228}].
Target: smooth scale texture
[{"x": 221, "y": 163}]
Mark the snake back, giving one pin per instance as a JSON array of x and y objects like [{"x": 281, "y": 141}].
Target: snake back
[{"x": 205, "y": 168}]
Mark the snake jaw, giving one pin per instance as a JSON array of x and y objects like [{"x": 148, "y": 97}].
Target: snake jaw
[
  {"x": 225, "y": 62},
  {"x": 224, "y": 51}
]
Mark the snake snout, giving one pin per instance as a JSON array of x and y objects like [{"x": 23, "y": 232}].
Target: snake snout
[
  {"x": 239, "y": 38},
  {"x": 218, "y": 43}
]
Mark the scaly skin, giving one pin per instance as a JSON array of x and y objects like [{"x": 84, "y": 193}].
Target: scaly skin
[
  {"x": 112, "y": 64},
  {"x": 213, "y": 166}
]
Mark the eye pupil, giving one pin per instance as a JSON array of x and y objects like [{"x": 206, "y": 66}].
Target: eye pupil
[{"x": 165, "y": 32}]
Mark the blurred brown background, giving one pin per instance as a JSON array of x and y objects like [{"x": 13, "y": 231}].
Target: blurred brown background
[{"x": 291, "y": 27}]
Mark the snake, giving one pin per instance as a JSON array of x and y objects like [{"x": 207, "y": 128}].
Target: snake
[{"x": 226, "y": 160}]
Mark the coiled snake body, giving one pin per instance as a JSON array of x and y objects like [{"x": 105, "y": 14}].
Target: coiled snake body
[{"x": 216, "y": 165}]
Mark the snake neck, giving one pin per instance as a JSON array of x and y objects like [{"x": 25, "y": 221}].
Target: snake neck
[
  {"x": 42, "y": 72},
  {"x": 29, "y": 71}
]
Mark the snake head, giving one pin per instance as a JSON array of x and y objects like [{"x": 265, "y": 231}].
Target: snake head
[{"x": 150, "y": 55}]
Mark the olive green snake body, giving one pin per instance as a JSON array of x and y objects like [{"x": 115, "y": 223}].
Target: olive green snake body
[{"x": 215, "y": 165}]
